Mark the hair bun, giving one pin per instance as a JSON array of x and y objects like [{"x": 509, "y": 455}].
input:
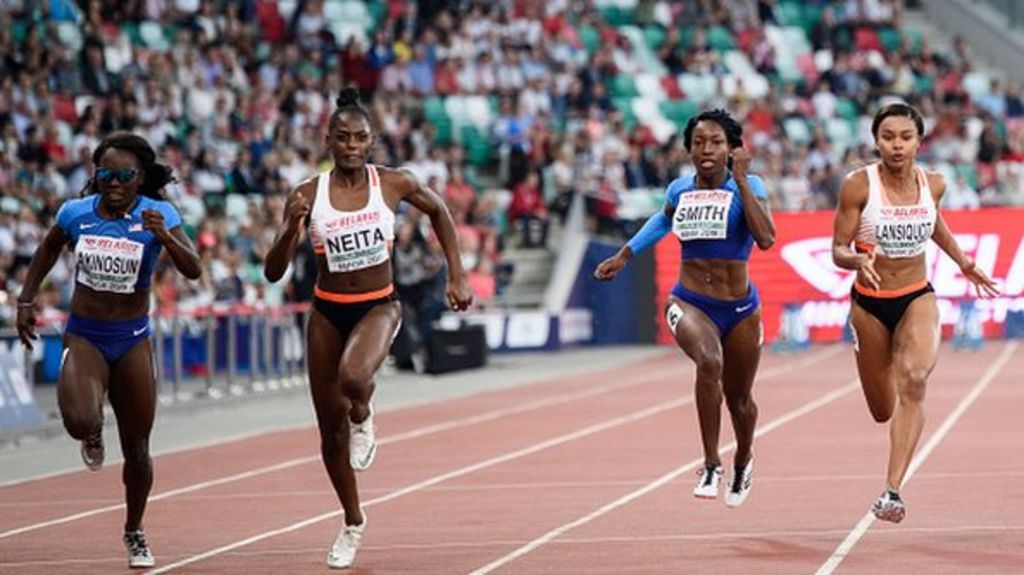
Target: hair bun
[{"x": 349, "y": 96}]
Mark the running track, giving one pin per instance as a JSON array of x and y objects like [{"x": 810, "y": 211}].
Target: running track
[{"x": 583, "y": 474}]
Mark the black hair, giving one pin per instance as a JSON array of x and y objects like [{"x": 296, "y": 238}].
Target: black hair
[
  {"x": 348, "y": 101},
  {"x": 898, "y": 109},
  {"x": 733, "y": 129},
  {"x": 157, "y": 175}
]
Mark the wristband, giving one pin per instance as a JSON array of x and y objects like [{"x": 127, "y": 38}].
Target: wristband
[{"x": 26, "y": 304}]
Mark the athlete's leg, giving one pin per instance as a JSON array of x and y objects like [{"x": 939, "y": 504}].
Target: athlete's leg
[
  {"x": 698, "y": 337},
  {"x": 133, "y": 397},
  {"x": 84, "y": 375},
  {"x": 323, "y": 346},
  {"x": 741, "y": 356},
  {"x": 915, "y": 351},
  {"x": 873, "y": 349},
  {"x": 365, "y": 351}
]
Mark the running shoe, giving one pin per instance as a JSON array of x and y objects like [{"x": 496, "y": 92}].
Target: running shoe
[
  {"x": 343, "y": 552},
  {"x": 139, "y": 555},
  {"x": 92, "y": 451},
  {"x": 739, "y": 487},
  {"x": 889, "y": 507},
  {"x": 362, "y": 443},
  {"x": 707, "y": 482}
]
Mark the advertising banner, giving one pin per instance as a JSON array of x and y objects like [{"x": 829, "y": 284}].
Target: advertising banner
[{"x": 798, "y": 271}]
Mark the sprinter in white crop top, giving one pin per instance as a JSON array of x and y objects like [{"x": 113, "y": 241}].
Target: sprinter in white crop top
[
  {"x": 887, "y": 213},
  {"x": 349, "y": 213}
]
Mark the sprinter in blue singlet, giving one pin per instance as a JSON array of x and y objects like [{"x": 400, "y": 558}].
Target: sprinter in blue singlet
[
  {"x": 116, "y": 232},
  {"x": 713, "y": 313}
]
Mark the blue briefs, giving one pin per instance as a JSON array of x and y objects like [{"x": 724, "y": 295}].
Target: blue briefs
[
  {"x": 725, "y": 314},
  {"x": 113, "y": 339}
]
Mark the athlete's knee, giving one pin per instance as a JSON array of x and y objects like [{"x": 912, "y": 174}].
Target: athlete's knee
[
  {"x": 911, "y": 382},
  {"x": 740, "y": 402},
  {"x": 354, "y": 380},
  {"x": 136, "y": 455},
  {"x": 709, "y": 367},
  {"x": 82, "y": 425}
]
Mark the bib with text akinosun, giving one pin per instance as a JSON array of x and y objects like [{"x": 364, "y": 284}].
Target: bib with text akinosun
[
  {"x": 702, "y": 215},
  {"x": 354, "y": 242},
  {"x": 108, "y": 264},
  {"x": 903, "y": 231}
]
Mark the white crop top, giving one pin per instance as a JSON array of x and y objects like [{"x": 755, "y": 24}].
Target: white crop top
[
  {"x": 896, "y": 231},
  {"x": 354, "y": 240}
]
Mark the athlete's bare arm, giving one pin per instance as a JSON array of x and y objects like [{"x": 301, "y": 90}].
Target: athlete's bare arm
[
  {"x": 853, "y": 196},
  {"x": 943, "y": 237},
  {"x": 755, "y": 210},
  {"x": 42, "y": 262},
  {"x": 296, "y": 215}
]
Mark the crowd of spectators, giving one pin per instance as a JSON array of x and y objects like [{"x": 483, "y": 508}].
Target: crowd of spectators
[{"x": 236, "y": 95}]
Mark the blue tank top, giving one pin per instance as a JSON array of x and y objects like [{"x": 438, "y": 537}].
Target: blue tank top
[
  {"x": 710, "y": 223},
  {"x": 113, "y": 255}
]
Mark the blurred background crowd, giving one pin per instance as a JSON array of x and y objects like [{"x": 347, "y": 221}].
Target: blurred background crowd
[{"x": 509, "y": 109}]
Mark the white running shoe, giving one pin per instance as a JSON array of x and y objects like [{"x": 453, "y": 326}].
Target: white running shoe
[
  {"x": 343, "y": 553},
  {"x": 362, "y": 443},
  {"x": 139, "y": 555},
  {"x": 707, "y": 482},
  {"x": 92, "y": 451},
  {"x": 889, "y": 507},
  {"x": 739, "y": 487}
]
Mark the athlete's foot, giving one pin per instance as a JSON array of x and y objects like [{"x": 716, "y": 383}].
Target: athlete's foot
[
  {"x": 707, "y": 483},
  {"x": 362, "y": 443},
  {"x": 343, "y": 553},
  {"x": 739, "y": 487},
  {"x": 889, "y": 506},
  {"x": 92, "y": 451},
  {"x": 139, "y": 555}
]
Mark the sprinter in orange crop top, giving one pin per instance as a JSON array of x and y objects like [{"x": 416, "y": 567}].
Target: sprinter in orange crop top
[
  {"x": 887, "y": 213},
  {"x": 350, "y": 216}
]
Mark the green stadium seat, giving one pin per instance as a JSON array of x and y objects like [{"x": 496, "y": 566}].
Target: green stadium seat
[
  {"x": 590, "y": 38},
  {"x": 617, "y": 16},
  {"x": 654, "y": 37},
  {"x": 477, "y": 144},
  {"x": 623, "y": 86},
  {"x": 890, "y": 39},
  {"x": 847, "y": 109},
  {"x": 720, "y": 38}
]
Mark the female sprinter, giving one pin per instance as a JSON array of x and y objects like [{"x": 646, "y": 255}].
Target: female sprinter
[
  {"x": 350, "y": 215},
  {"x": 887, "y": 210},
  {"x": 714, "y": 312},
  {"x": 116, "y": 230}
]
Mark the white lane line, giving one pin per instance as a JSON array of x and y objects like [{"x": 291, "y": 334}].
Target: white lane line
[
  {"x": 406, "y": 436},
  {"x": 462, "y": 471},
  {"x": 661, "y": 481},
  {"x": 864, "y": 524}
]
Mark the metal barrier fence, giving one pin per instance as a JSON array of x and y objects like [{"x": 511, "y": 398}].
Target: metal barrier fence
[{"x": 209, "y": 352}]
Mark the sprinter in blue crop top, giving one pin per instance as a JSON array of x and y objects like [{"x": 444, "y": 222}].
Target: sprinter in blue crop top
[
  {"x": 714, "y": 313},
  {"x": 116, "y": 232}
]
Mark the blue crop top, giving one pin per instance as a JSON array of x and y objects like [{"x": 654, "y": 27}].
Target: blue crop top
[
  {"x": 710, "y": 223},
  {"x": 113, "y": 255}
]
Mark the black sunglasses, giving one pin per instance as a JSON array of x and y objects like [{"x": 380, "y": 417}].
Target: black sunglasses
[{"x": 124, "y": 176}]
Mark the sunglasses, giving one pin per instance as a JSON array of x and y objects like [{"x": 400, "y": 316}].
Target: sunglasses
[{"x": 123, "y": 176}]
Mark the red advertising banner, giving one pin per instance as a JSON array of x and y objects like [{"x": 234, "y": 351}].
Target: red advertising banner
[{"x": 798, "y": 270}]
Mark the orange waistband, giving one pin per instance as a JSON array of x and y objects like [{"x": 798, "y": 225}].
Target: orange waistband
[
  {"x": 354, "y": 297},
  {"x": 890, "y": 293}
]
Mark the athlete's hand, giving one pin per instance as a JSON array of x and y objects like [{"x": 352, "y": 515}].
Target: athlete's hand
[
  {"x": 459, "y": 293},
  {"x": 296, "y": 210},
  {"x": 983, "y": 285},
  {"x": 867, "y": 270},
  {"x": 609, "y": 268},
  {"x": 740, "y": 162},
  {"x": 153, "y": 221},
  {"x": 26, "y": 324}
]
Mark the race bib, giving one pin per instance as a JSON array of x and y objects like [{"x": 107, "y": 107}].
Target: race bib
[
  {"x": 355, "y": 249},
  {"x": 702, "y": 215},
  {"x": 904, "y": 231},
  {"x": 108, "y": 264}
]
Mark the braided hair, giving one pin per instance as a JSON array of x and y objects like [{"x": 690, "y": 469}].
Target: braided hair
[
  {"x": 348, "y": 101},
  {"x": 157, "y": 175},
  {"x": 733, "y": 129}
]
